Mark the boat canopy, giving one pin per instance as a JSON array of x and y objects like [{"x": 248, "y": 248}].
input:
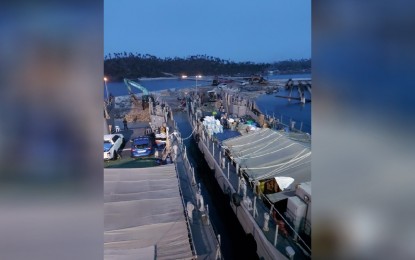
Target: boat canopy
[
  {"x": 144, "y": 215},
  {"x": 267, "y": 153}
]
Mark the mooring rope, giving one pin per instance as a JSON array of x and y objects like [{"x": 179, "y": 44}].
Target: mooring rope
[{"x": 189, "y": 135}]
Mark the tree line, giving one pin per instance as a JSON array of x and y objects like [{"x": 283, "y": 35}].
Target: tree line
[{"x": 128, "y": 65}]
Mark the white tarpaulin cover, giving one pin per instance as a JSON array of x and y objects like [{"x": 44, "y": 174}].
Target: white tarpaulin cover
[
  {"x": 284, "y": 182},
  {"x": 144, "y": 215},
  {"x": 267, "y": 153}
]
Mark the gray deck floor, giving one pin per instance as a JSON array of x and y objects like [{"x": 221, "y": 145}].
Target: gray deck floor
[{"x": 204, "y": 238}]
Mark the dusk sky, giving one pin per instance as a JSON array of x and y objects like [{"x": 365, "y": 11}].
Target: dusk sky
[{"x": 257, "y": 31}]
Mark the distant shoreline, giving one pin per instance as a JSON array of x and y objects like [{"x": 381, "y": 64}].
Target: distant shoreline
[
  {"x": 205, "y": 78},
  {"x": 210, "y": 77},
  {"x": 157, "y": 78}
]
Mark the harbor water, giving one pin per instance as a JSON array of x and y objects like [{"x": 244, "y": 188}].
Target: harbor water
[{"x": 287, "y": 110}]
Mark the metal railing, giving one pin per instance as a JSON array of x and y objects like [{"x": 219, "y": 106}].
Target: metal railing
[{"x": 280, "y": 228}]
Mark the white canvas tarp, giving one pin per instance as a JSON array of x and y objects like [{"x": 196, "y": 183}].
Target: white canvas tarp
[
  {"x": 144, "y": 215},
  {"x": 267, "y": 153},
  {"x": 284, "y": 182}
]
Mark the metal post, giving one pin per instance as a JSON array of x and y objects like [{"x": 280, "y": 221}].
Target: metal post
[
  {"x": 220, "y": 156},
  {"x": 244, "y": 188},
  {"x": 266, "y": 219},
  {"x": 276, "y": 235},
  {"x": 193, "y": 176},
  {"x": 228, "y": 170},
  {"x": 202, "y": 204},
  {"x": 307, "y": 200},
  {"x": 207, "y": 214},
  {"x": 218, "y": 254},
  {"x": 239, "y": 185},
  {"x": 106, "y": 88},
  {"x": 213, "y": 150},
  {"x": 293, "y": 124},
  {"x": 254, "y": 212}
]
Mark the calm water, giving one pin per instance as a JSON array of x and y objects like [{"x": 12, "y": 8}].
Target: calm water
[
  {"x": 286, "y": 110},
  {"x": 120, "y": 89},
  {"x": 288, "y": 76}
]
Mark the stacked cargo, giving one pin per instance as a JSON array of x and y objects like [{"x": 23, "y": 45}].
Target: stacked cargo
[{"x": 212, "y": 125}]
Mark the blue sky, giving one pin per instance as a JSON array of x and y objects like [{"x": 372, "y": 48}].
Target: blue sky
[{"x": 257, "y": 31}]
